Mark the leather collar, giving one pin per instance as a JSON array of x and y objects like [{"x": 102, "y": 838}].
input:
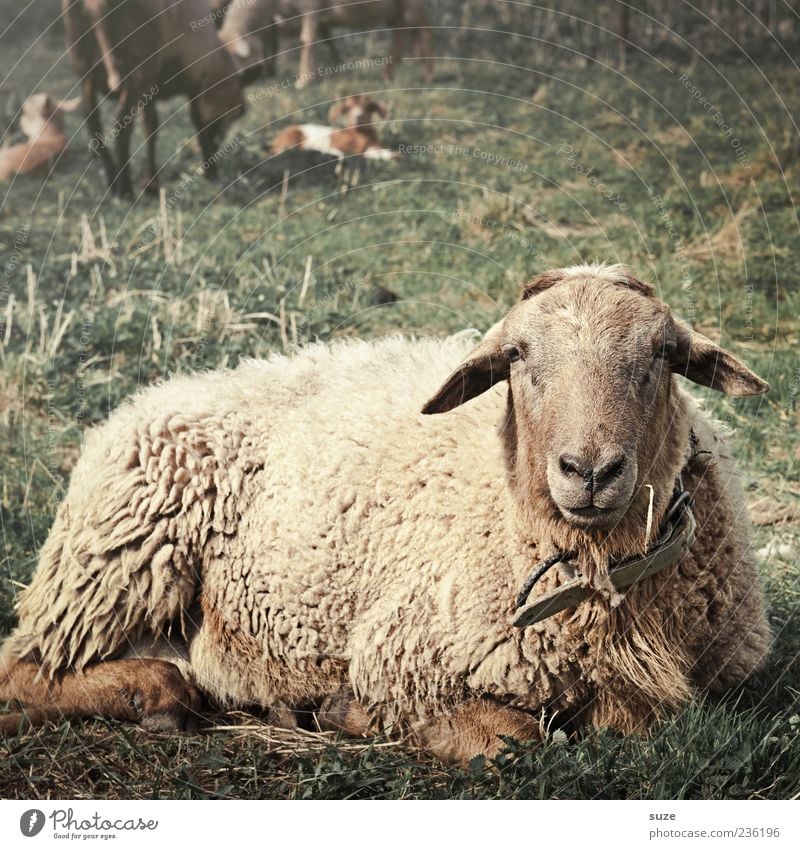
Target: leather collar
[{"x": 675, "y": 539}]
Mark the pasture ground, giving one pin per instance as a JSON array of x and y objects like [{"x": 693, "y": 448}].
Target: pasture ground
[{"x": 101, "y": 297}]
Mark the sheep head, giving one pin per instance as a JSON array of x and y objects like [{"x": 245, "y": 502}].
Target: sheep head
[
  {"x": 356, "y": 110},
  {"x": 593, "y": 417},
  {"x": 41, "y": 113}
]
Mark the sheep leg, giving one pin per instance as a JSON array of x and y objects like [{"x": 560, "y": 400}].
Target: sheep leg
[
  {"x": 397, "y": 51},
  {"x": 308, "y": 35},
  {"x": 423, "y": 48},
  {"x": 123, "y": 125},
  {"x": 325, "y": 35},
  {"x": 150, "y": 118},
  {"x": 475, "y": 728},
  {"x": 144, "y": 690},
  {"x": 98, "y": 142},
  {"x": 207, "y": 136},
  {"x": 113, "y": 78},
  {"x": 270, "y": 46}
]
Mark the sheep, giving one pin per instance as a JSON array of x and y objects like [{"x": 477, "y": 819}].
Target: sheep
[
  {"x": 42, "y": 121},
  {"x": 357, "y": 138},
  {"x": 295, "y": 530},
  {"x": 251, "y": 27},
  {"x": 142, "y": 52}
]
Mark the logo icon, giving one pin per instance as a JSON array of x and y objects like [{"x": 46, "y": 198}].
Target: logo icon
[{"x": 31, "y": 822}]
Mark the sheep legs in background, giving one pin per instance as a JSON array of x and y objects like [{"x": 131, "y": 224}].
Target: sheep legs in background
[
  {"x": 150, "y": 118},
  {"x": 98, "y": 144},
  {"x": 308, "y": 35},
  {"x": 149, "y": 691},
  {"x": 207, "y": 136},
  {"x": 122, "y": 186}
]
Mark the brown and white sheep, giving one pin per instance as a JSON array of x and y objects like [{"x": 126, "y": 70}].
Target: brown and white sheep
[
  {"x": 144, "y": 51},
  {"x": 357, "y": 138},
  {"x": 295, "y": 529},
  {"x": 42, "y": 122},
  {"x": 251, "y": 29}
]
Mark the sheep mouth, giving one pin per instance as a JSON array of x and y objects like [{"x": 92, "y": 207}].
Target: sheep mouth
[{"x": 591, "y": 516}]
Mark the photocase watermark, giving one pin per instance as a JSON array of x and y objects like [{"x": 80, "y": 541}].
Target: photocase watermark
[
  {"x": 719, "y": 119},
  {"x": 487, "y": 156},
  {"x": 496, "y": 226},
  {"x": 9, "y": 272},
  {"x": 679, "y": 251},
  {"x": 84, "y": 351},
  {"x": 32, "y": 822},
  {"x": 65, "y": 825},
  {"x": 254, "y": 95},
  {"x": 572, "y": 156},
  {"x": 99, "y": 140},
  {"x": 794, "y": 391},
  {"x": 749, "y": 298}
]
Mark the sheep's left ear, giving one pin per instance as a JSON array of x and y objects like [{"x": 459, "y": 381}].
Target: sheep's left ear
[
  {"x": 484, "y": 367},
  {"x": 699, "y": 359},
  {"x": 379, "y": 108}
]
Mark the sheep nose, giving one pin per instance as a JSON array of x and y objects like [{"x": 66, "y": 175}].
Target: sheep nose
[{"x": 595, "y": 478}]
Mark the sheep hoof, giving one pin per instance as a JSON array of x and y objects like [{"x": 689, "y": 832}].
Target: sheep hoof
[
  {"x": 280, "y": 715},
  {"x": 341, "y": 711},
  {"x": 162, "y": 699}
]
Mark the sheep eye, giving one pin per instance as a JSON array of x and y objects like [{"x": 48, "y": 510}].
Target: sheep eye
[{"x": 511, "y": 353}]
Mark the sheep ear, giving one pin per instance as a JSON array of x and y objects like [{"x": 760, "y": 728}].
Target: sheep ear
[
  {"x": 545, "y": 280},
  {"x": 699, "y": 359},
  {"x": 484, "y": 367},
  {"x": 380, "y": 109},
  {"x": 334, "y": 112}
]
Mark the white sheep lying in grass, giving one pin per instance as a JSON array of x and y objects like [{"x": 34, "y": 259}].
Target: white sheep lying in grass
[{"x": 296, "y": 528}]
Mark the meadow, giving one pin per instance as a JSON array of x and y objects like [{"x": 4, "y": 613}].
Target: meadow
[{"x": 683, "y": 166}]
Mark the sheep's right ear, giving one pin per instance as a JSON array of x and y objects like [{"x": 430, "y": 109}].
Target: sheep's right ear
[
  {"x": 334, "y": 112},
  {"x": 699, "y": 359},
  {"x": 484, "y": 367}
]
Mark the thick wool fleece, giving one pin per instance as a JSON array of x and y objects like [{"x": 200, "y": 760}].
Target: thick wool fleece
[{"x": 297, "y": 524}]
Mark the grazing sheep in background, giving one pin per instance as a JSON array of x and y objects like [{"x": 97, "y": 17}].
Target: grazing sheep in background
[
  {"x": 144, "y": 51},
  {"x": 42, "y": 122},
  {"x": 251, "y": 27},
  {"x": 358, "y": 137},
  {"x": 295, "y": 529}
]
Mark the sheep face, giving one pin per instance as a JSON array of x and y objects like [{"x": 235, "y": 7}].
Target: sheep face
[
  {"x": 589, "y": 355},
  {"x": 40, "y": 110}
]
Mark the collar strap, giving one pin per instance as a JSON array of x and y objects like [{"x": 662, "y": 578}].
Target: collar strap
[{"x": 676, "y": 539}]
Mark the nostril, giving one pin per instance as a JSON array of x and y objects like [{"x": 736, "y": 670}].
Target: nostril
[
  {"x": 608, "y": 471},
  {"x": 571, "y": 466}
]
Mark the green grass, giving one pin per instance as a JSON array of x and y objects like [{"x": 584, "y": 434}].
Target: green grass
[{"x": 452, "y": 235}]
